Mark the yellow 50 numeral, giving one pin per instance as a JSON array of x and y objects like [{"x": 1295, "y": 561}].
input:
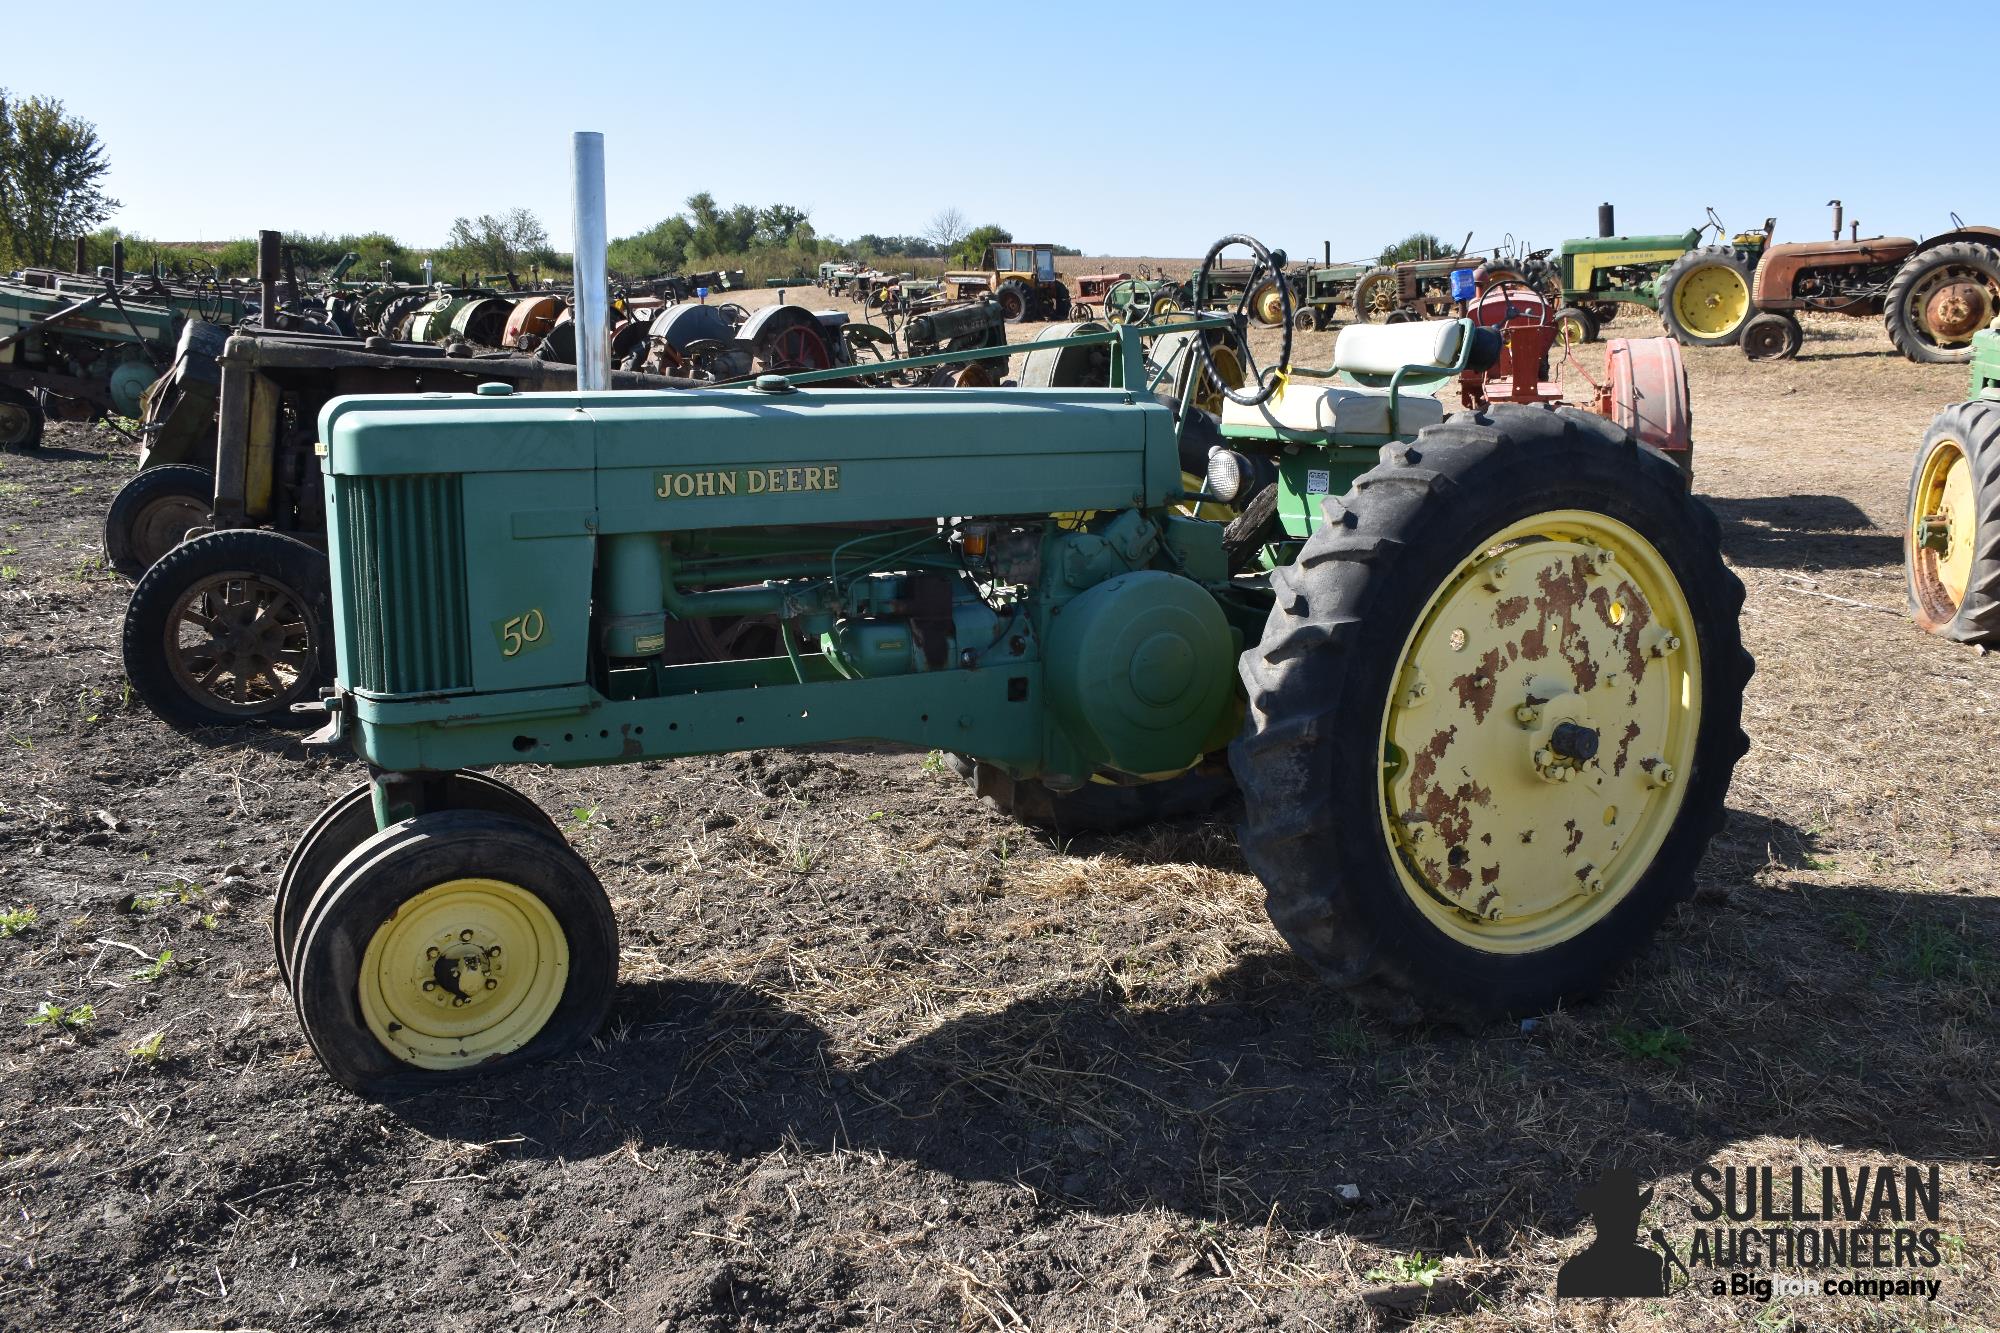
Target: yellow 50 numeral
[{"x": 522, "y": 631}]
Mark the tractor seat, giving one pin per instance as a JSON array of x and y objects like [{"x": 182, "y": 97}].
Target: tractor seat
[{"x": 1370, "y": 350}]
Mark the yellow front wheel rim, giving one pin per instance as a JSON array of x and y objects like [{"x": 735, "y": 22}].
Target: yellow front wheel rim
[
  {"x": 1941, "y": 529},
  {"x": 1567, "y": 633},
  {"x": 465, "y": 971},
  {"x": 1711, "y": 301}
]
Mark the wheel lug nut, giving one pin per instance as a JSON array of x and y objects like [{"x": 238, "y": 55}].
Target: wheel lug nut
[
  {"x": 491, "y": 983},
  {"x": 430, "y": 985},
  {"x": 431, "y": 952},
  {"x": 465, "y": 935},
  {"x": 1527, "y": 715}
]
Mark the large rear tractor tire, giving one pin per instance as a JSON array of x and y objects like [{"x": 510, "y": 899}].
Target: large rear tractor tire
[
  {"x": 1939, "y": 298},
  {"x": 1017, "y": 301},
  {"x": 449, "y": 947},
  {"x": 1267, "y": 304},
  {"x": 235, "y": 626},
  {"x": 1705, "y": 296},
  {"x": 1377, "y": 295},
  {"x": 1493, "y": 715},
  {"x": 1951, "y": 541},
  {"x": 151, "y": 515},
  {"x": 1097, "y": 807}
]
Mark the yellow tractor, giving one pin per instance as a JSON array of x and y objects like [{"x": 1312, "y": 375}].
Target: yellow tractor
[{"x": 1022, "y": 278}]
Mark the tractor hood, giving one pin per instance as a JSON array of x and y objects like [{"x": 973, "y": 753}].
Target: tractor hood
[{"x": 1603, "y": 245}]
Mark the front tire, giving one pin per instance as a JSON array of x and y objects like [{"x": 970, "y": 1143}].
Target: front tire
[
  {"x": 21, "y": 419},
  {"x": 1424, "y": 799},
  {"x": 235, "y": 626},
  {"x": 1773, "y": 335},
  {"x": 151, "y": 515},
  {"x": 1951, "y": 540},
  {"x": 451, "y": 946}
]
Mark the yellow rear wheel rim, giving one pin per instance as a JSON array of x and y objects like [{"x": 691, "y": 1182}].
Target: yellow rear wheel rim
[
  {"x": 1712, "y": 300},
  {"x": 1502, "y": 837},
  {"x": 465, "y": 971},
  {"x": 1941, "y": 529},
  {"x": 1270, "y": 305}
]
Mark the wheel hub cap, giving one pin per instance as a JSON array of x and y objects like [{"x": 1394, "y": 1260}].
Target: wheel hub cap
[
  {"x": 1712, "y": 301},
  {"x": 1545, "y": 709},
  {"x": 463, "y": 972},
  {"x": 1957, "y": 310}
]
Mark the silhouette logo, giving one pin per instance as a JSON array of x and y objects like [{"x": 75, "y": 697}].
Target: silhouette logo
[{"x": 1615, "y": 1264}]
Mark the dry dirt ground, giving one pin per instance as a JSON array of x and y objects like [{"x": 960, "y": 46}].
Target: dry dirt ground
[{"x": 880, "y": 1059}]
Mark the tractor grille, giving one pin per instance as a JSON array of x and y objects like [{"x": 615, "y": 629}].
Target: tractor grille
[{"x": 402, "y": 547}]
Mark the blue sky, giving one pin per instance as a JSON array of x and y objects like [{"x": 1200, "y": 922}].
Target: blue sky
[{"x": 1121, "y": 129}]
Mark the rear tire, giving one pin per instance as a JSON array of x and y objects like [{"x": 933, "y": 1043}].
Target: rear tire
[
  {"x": 1939, "y": 298},
  {"x": 1773, "y": 335},
  {"x": 1017, "y": 301},
  {"x": 1955, "y": 488},
  {"x": 151, "y": 515},
  {"x": 1338, "y": 673},
  {"x": 1705, "y": 296},
  {"x": 270, "y": 592},
  {"x": 1377, "y": 295},
  {"x": 1097, "y": 807}
]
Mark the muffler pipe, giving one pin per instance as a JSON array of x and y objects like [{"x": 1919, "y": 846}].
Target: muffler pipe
[
  {"x": 1838, "y": 214},
  {"x": 1606, "y": 222},
  {"x": 269, "y": 245},
  {"x": 593, "y": 324}
]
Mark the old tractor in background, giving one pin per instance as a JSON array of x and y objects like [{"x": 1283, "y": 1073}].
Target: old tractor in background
[
  {"x": 1700, "y": 292},
  {"x": 79, "y": 347},
  {"x": 1091, "y": 289},
  {"x": 1951, "y": 534},
  {"x": 1933, "y": 295},
  {"x": 1323, "y": 288},
  {"x": 1460, "y": 638},
  {"x": 1413, "y": 289},
  {"x": 1022, "y": 278}
]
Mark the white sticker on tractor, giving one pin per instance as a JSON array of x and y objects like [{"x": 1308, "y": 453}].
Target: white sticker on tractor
[{"x": 1318, "y": 481}]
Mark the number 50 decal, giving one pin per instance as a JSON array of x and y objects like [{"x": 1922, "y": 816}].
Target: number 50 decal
[{"x": 520, "y": 633}]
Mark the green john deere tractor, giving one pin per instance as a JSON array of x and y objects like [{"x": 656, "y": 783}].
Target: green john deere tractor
[
  {"x": 1951, "y": 539},
  {"x": 1479, "y": 677},
  {"x": 1700, "y": 292}
]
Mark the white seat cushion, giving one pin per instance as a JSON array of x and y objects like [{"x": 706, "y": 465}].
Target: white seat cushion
[
  {"x": 1384, "y": 349},
  {"x": 1310, "y": 410}
]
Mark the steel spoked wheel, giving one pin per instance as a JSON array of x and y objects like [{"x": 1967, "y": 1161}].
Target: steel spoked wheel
[
  {"x": 152, "y": 513},
  {"x": 449, "y": 944},
  {"x": 1950, "y": 557},
  {"x": 796, "y": 348},
  {"x": 1554, "y": 662},
  {"x": 1376, "y": 295},
  {"x": 231, "y": 627}
]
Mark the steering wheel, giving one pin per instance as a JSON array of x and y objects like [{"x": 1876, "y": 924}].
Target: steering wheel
[{"x": 1264, "y": 382}]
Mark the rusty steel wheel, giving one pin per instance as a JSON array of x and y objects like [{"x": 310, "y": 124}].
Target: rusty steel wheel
[
  {"x": 1940, "y": 298},
  {"x": 795, "y": 348},
  {"x": 1376, "y": 295},
  {"x": 231, "y": 627}
]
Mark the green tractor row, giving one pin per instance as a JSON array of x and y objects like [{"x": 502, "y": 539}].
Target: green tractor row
[{"x": 1479, "y": 679}]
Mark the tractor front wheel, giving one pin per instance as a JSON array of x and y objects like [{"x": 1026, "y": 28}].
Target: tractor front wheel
[
  {"x": 1705, "y": 296},
  {"x": 21, "y": 418},
  {"x": 151, "y": 515},
  {"x": 451, "y": 946},
  {"x": 1575, "y": 325},
  {"x": 1773, "y": 335},
  {"x": 1528, "y": 619},
  {"x": 235, "y": 626},
  {"x": 1951, "y": 541},
  {"x": 349, "y": 822}
]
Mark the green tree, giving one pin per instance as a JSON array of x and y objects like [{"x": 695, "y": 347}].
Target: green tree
[
  {"x": 52, "y": 168},
  {"x": 973, "y": 247},
  {"x": 504, "y": 243},
  {"x": 1417, "y": 245}
]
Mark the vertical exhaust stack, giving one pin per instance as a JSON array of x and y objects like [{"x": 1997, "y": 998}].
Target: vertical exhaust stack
[
  {"x": 1838, "y": 214},
  {"x": 269, "y": 244},
  {"x": 82, "y": 257},
  {"x": 593, "y": 326},
  {"x": 1606, "y": 221}
]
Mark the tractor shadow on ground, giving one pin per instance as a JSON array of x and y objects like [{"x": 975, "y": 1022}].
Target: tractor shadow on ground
[
  {"x": 1258, "y": 1089},
  {"x": 59, "y": 453},
  {"x": 1802, "y": 532}
]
